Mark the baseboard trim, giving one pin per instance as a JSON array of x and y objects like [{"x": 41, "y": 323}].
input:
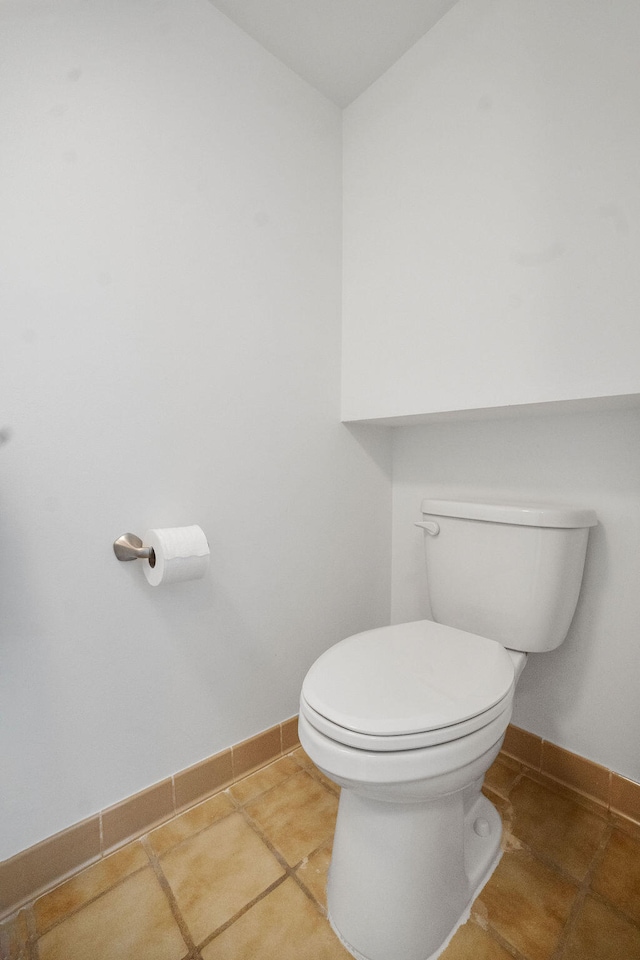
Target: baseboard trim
[
  {"x": 611, "y": 791},
  {"x": 34, "y": 871},
  {"x": 43, "y": 866}
]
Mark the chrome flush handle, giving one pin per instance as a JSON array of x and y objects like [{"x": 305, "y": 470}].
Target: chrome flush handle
[{"x": 429, "y": 526}]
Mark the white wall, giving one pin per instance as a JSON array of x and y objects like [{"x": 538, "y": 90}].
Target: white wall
[
  {"x": 492, "y": 205},
  {"x": 584, "y": 695},
  {"x": 170, "y": 293},
  {"x": 170, "y": 247}
]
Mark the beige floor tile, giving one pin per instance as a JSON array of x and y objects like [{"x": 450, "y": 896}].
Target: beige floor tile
[
  {"x": 501, "y": 775},
  {"x": 555, "y": 826},
  {"x": 245, "y": 790},
  {"x": 527, "y": 904},
  {"x": 617, "y": 877},
  {"x": 302, "y": 757},
  {"x": 501, "y": 803},
  {"x": 305, "y": 761},
  {"x": 132, "y": 921},
  {"x": 283, "y": 926},
  {"x": 14, "y": 934},
  {"x": 313, "y": 872},
  {"x": 215, "y": 873},
  {"x": 581, "y": 799},
  {"x": 600, "y": 934},
  {"x": 186, "y": 824},
  {"x": 329, "y": 784},
  {"x": 505, "y": 810},
  {"x": 471, "y": 942},
  {"x": 297, "y": 817},
  {"x": 624, "y": 824},
  {"x": 87, "y": 885}
]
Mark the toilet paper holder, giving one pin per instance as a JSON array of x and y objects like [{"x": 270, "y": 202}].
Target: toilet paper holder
[{"x": 130, "y": 547}]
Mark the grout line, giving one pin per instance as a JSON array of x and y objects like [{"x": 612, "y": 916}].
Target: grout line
[
  {"x": 32, "y": 935},
  {"x": 239, "y": 777},
  {"x": 564, "y": 783},
  {"x": 233, "y": 765},
  {"x": 579, "y": 796},
  {"x": 192, "y": 950},
  {"x": 609, "y": 790},
  {"x": 290, "y": 870},
  {"x": 585, "y": 890},
  {"x": 237, "y": 807},
  {"x": 102, "y": 853},
  {"x": 194, "y": 833},
  {"x": 173, "y": 794},
  {"x": 256, "y": 829},
  {"x": 263, "y": 793},
  {"x": 101, "y": 833},
  {"x": 598, "y": 855},
  {"x": 548, "y": 861},
  {"x": 325, "y": 782},
  {"x": 597, "y": 860},
  {"x": 500, "y": 940},
  {"x": 307, "y": 892},
  {"x": 615, "y": 909},
  {"x": 569, "y": 923},
  {"x": 592, "y": 804},
  {"x": 245, "y": 909},
  {"x": 583, "y": 886},
  {"x": 85, "y": 903},
  {"x": 529, "y": 769},
  {"x": 313, "y": 772}
]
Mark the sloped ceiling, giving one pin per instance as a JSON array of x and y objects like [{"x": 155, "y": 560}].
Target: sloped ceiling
[{"x": 339, "y": 46}]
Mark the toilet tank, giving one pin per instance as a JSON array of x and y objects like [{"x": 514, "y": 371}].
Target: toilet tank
[{"x": 507, "y": 571}]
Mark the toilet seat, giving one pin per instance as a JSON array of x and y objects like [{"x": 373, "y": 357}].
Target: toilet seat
[
  {"x": 412, "y": 741},
  {"x": 407, "y": 686}
]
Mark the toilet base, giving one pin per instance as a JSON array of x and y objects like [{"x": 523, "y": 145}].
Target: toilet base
[
  {"x": 443, "y": 946},
  {"x": 403, "y": 876}
]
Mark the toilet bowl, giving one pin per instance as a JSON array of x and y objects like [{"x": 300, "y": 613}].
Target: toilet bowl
[
  {"x": 407, "y": 719},
  {"x": 410, "y": 751}
]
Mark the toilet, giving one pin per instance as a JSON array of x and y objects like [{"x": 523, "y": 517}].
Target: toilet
[{"x": 408, "y": 718}]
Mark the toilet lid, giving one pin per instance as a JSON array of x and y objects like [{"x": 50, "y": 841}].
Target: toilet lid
[{"x": 409, "y": 678}]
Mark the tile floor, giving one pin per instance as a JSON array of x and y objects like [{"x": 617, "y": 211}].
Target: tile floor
[{"x": 241, "y": 877}]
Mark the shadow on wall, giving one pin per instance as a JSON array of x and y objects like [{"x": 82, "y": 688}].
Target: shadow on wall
[{"x": 376, "y": 441}]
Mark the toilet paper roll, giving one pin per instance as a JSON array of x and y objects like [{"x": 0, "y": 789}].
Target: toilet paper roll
[{"x": 181, "y": 553}]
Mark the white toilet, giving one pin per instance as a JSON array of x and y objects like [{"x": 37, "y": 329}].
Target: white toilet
[{"x": 408, "y": 718}]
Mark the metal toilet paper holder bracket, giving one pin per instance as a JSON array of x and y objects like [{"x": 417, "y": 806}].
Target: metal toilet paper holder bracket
[{"x": 129, "y": 547}]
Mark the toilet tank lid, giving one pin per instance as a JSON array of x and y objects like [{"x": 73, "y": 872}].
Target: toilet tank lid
[{"x": 527, "y": 514}]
